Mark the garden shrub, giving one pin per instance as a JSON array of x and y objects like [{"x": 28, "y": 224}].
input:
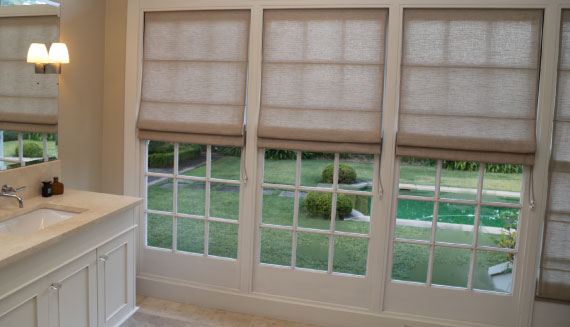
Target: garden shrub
[
  {"x": 319, "y": 204},
  {"x": 31, "y": 150},
  {"x": 346, "y": 174},
  {"x": 10, "y": 136},
  {"x": 160, "y": 159}
]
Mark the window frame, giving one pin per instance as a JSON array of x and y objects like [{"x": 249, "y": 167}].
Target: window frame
[
  {"x": 377, "y": 304},
  {"x": 21, "y": 159}
]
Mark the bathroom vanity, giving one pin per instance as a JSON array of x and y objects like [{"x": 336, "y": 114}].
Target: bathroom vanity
[{"x": 68, "y": 260}]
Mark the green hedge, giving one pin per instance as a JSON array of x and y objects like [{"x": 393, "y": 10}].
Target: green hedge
[
  {"x": 31, "y": 150},
  {"x": 320, "y": 204},
  {"x": 160, "y": 159},
  {"x": 346, "y": 174},
  {"x": 465, "y": 165}
]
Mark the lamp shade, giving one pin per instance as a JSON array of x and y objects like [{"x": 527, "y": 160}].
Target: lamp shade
[
  {"x": 37, "y": 53},
  {"x": 58, "y": 53}
]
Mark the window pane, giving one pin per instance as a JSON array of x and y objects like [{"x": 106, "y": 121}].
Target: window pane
[
  {"x": 417, "y": 176},
  {"x": 9, "y": 144},
  {"x": 192, "y": 160},
  {"x": 52, "y": 146},
  {"x": 159, "y": 231},
  {"x": 160, "y": 157},
  {"x": 451, "y": 266},
  {"x": 455, "y": 223},
  {"x": 280, "y": 167},
  {"x": 33, "y": 148},
  {"x": 459, "y": 180},
  {"x": 276, "y": 246},
  {"x": 191, "y": 197},
  {"x": 350, "y": 255},
  {"x": 223, "y": 240},
  {"x": 498, "y": 227},
  {"x": 356, "y": 172},
  {"x": 410, "y": 262},
  {"x": 317, "y": 169},
  {"x": 493, "y": 271},
  {"x": 502, "y": 183},
  {"x": 224, "y": 200},
  {"x": 414, "y": 219},
  {"x": 277, "y": 207},
  {"x": 226, "y": 162},
  {"x": 312, "y": 251},
  {"x": 358, "y": 219},
  {"x": 159, "y": 194},
  {"x": 315, "y": 210},
  {"x": 190, "y": 235}
]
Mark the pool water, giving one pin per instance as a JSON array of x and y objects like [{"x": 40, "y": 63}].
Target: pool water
[{"x": 454, "y": 213}]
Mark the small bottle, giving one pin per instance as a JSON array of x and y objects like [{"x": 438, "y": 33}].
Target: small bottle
[
  {"x": 57, "y": 186},
  {"x": 47, "y": 190}
]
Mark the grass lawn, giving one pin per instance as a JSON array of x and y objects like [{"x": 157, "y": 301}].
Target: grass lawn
[
  {"x": 350, "y": 254},
  {"x": 10, "y": 148}
]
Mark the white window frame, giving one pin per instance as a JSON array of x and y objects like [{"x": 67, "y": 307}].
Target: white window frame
[{"x": 245, "y": 290}]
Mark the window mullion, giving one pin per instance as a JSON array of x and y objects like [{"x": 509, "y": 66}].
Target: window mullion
[
  {"x": 434, "y": 222},
  {"x": 175, "y": 198},
  {"x": 476, "y": 226},
  {"x": 296, "y": 211},
  {"x": 21, "y": 149},
  {"x": 207, "y": 198},
  {"x": 333, "y": 212}
]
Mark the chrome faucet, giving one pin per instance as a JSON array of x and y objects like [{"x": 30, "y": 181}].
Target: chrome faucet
[{"x": 10, "y": 192}]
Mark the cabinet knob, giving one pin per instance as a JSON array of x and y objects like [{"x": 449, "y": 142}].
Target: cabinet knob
[
  {"x": 103, "y": 258},
  {"x": 55, "y": 286}
]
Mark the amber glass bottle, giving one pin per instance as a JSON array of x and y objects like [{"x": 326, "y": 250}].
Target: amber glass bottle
[{"x": 57, "y": 186}]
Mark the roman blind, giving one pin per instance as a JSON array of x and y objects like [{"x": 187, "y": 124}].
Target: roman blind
[
  {"x": 194, "y": 77},
  {"x": 555, "y": 260},
  {"x": 322, "y": 79},
  {"x": 469, "y": 84},
  {"x": 28, "y": 101}
]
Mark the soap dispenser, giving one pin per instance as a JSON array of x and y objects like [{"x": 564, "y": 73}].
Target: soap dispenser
[
  {"x": 47, "y": 191},
  {"x": 57, "y": 186}
]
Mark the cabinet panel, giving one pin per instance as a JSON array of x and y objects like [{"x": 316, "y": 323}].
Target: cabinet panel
[
  {"x": 73, "y": 298},
  {"x": 27, "y": 307},
  {"x": 115, "y": 274}
]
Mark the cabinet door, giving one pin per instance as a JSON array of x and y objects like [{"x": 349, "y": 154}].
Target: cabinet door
[
  {"x": 73, "y": 294},
  {"x": 27, "y": 307},
  {"x": 115, "y": 280}
]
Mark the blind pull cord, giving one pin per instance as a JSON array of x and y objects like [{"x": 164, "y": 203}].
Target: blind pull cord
[{"x": 531, "y": 186}]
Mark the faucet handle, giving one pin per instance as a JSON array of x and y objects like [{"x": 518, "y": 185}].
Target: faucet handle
[{"x": 8, "y": 188}]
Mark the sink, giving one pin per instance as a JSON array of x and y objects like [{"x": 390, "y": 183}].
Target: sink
[{"x": 34, "y": 221}]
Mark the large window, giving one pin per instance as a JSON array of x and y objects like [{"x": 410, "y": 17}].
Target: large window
[
  {"x": 193, "y": 194},
  {"x": 316, "y": 210},
  {"x": 457, "y": 223}
]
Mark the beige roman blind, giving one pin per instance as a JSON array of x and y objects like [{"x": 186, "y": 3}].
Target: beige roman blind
[
  {"x": 322, "y": 79},
  {"x": 469, "y": 84},
  {"x": 194, "y": 77},
  {"x": 28, "y": 101},
  {"x": 555, "y": 261}
]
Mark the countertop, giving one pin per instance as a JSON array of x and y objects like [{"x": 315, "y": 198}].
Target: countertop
[{"x": 90, "y": 208}]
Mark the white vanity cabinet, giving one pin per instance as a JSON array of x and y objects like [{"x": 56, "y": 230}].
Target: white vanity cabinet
[{"x": 91, "y": 283}]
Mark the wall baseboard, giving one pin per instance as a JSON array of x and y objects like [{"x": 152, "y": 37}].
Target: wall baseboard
[{"x": 277, "y": 307}]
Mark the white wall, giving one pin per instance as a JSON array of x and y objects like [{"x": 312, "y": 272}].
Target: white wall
[
  {"x": 550, "y": 314},
  {"x": 82, "y": 28}
]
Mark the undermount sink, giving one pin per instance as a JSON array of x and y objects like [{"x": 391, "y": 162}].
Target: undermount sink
[{"x": 34, "y": 221}]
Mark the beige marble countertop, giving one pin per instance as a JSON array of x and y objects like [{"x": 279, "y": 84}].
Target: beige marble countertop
[{"x": 90, "y": 207}]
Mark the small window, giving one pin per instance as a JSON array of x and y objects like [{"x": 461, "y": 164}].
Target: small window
[
  {"x": 18, "y": 149},
  {"x": 316, "y": 210},
  {"x": 456, "y": 223},
  {"x": 193, "y": 196}
]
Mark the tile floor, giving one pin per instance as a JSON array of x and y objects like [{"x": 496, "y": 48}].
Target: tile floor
[{"x": 160, "y": 313}]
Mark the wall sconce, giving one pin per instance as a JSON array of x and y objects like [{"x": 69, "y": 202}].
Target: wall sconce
[{"x": 48, "y": 63}]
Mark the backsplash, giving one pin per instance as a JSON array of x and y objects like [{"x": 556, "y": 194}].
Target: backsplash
[{"x": 30, "y": 176}]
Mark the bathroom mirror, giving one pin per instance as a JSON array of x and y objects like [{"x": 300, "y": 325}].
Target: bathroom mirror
[{"x": 28, "y": 100}]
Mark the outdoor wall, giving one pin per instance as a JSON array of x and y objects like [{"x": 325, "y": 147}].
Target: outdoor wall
[
  {"x": 113, "y": 116},
  {"x": 82, "y": 28}
]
